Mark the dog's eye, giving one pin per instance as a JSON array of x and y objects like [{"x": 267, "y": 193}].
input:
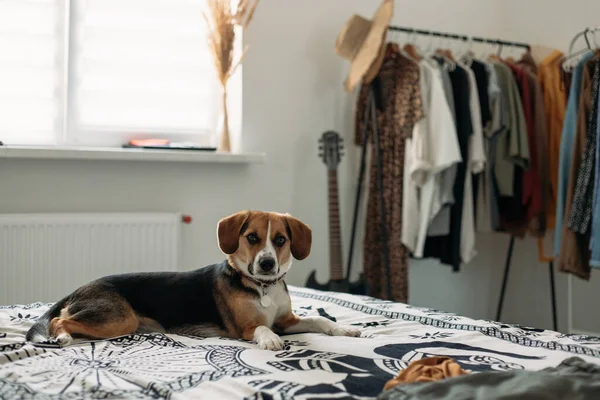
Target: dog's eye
[
  {"x": 252, "y": 238},
  {"x": 279, "y": 241}
]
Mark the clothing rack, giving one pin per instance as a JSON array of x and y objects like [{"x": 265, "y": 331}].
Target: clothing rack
[
  {"x": 500, "y": 44},
  {"x": 549, "y": 259}
]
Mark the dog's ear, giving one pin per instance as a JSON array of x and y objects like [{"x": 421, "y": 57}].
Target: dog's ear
[
  {"x": 300, "y": 237},
  {"x": 228, "y": 231}
]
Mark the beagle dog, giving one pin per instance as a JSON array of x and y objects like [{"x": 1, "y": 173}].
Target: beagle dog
[{"x": 243, "y": 297}]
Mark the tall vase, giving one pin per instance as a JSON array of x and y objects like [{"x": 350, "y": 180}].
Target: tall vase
[{"x": 224, "y": 141}]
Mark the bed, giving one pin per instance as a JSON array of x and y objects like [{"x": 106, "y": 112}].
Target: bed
[{"x": 311, "y": 366}]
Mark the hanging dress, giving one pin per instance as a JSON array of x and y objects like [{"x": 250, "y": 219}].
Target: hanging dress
[{"x": 400, "y": 97}]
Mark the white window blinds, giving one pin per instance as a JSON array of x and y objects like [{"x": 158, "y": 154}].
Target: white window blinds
[
  {"x": 30, "y": 71},
  {"x": 141, "y": 67}
]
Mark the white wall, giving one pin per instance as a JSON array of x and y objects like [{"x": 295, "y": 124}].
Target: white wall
[
  {"x": 557, "y": 20},
  {"x": 292, "y": 92}
]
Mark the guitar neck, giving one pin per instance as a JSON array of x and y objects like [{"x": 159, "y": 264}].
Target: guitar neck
[{"x": 335, "y": 243}]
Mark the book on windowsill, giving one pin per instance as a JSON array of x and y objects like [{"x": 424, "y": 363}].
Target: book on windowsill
[{"x": 163, "y": 144}]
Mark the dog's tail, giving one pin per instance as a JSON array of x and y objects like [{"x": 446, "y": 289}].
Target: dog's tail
[{"x": 39, "y": 331}]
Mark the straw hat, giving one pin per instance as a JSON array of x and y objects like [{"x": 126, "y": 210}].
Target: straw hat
[{"x": 361, "y": 42}]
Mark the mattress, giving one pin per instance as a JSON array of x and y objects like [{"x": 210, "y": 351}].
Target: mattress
[{"x": 312, "y": 366}]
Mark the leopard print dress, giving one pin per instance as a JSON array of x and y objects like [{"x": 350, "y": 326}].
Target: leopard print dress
[{"x": 401, "y": 109}]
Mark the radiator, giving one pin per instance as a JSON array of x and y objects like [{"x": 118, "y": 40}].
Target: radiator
[{"x": 45, "y": 256}]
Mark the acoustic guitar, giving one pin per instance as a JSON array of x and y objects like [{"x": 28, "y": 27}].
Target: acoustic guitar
[{"x": 331, "y": 151}]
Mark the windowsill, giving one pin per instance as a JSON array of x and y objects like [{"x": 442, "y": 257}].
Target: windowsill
[{"x": 121, "y": 154}]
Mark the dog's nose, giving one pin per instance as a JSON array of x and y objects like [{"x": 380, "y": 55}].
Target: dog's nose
[{"x": 267, "y": 263}]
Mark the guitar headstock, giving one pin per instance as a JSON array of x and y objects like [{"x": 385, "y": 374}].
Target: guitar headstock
[{"x": 331, "y": 149}]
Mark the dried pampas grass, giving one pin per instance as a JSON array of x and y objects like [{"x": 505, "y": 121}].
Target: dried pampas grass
[{"x": 222, "y": 20}]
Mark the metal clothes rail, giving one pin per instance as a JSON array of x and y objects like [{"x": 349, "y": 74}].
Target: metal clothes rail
[{"x": 455, "y": 36}]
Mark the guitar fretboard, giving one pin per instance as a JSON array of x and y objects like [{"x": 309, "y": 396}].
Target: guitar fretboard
[{"x": 335, "y": 245}]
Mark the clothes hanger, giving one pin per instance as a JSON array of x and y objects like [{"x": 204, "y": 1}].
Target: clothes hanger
[
  {"x": 428, "y": 53},
  {"x": 447, "y": 50},
  {"x": 524, "y": 55},
  {"x": 449, "y": 55},
  {"x": 418, "y": 48},
  {"x": 448, "y": 62},
  {"x": 498, "y": 54},
  {"x": 466, "y": 56},
  {"x": 583, "y": 33},
  {"x": 487, "y": 53},
  {"x": 571, "y": 60},
  {"x": 392, "y": 43},
  {"x": 593, "y": 33},
  {"x": 409, "y": 50},
  {"x": 482, "y": 51},
  {"x": 511, "y": 57},
  {"x": 429, "y": 49},
  {"x": 440, "y": 49}
]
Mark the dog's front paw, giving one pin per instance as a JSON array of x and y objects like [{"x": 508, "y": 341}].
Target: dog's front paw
[
  {"x": 267, "y": 339},
  {"x": 64, "y": 339},
  {"x": 339, "y": 331}
]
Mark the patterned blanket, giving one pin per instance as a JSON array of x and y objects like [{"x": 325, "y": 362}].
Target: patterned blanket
[{"x": 312, "y": 366}]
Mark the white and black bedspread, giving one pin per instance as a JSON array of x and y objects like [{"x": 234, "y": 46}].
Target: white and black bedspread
[{"x": 311, "y": 367}]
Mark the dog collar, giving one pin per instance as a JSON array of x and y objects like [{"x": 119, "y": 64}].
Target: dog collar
[
  {"x": 263, "y": 284},
  {"x": 258, "y": 282}
]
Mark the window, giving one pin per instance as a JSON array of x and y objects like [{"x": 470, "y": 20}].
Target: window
[
  {"x": 100, "y": 72},
  {"x": 30, "y": 64}
]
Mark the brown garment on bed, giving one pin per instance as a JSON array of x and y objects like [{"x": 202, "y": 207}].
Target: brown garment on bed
[
  {"x": 574, "y": 248},
  {"x": 572, "y": 379},
  {"x": 427, "y": 370},
  {"x": 401, "y": 103}
]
